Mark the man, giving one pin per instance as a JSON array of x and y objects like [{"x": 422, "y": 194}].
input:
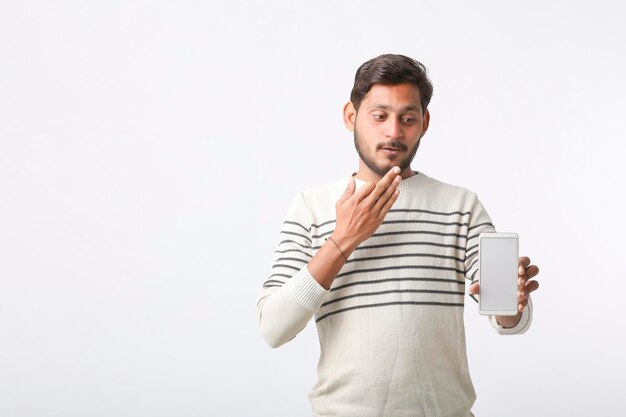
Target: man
[{"x": 379, "y": 259}]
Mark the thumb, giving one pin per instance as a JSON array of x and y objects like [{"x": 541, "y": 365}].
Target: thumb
[
  {"x": 474, "y": 288},
  {"x": 349, "y": 190}
]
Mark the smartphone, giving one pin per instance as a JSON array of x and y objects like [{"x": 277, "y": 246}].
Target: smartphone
[{"x": 499, "y": 260}]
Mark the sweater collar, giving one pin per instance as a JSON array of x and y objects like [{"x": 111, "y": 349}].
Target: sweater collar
[{"x": 404, "y": 184}]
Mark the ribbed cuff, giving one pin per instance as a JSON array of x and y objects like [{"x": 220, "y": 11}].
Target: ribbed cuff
[
  {"x": 519, "y": 328},
  {"x": 306, "y": 290}
]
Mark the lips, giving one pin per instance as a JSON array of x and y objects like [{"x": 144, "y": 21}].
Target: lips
[
  {"x": 391, "y": 150},
  {"x": 393, "y": 147}
]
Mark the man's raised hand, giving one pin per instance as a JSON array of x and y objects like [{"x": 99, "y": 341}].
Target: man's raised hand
[{"x": 360, "y": 213}]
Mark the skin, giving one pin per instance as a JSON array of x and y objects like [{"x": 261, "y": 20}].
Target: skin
[
  {"x": 387, "y": 126},
  {"x": 388, "y": 117}
]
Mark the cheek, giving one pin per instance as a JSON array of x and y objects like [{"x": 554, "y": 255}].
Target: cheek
[
  {"x": 365, "y": 137},
  {"x": 415, "y": 131},
  {"x": 368, "y": 130}
]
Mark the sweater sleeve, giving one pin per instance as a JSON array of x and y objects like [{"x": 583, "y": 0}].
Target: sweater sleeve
[
  {"x": 290, "y": 296},
  {"x": 480, "y": 222},
  {"x": 521, "y": 327}
]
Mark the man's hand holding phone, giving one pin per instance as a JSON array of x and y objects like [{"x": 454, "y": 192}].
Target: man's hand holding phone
[{"x": 525, "y": 285}]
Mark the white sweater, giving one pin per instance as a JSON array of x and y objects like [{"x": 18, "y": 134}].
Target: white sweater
[{"x": 391, "y": 327}]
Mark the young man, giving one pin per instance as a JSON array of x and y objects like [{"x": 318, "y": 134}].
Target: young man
[{"x": 380, "y": 260}]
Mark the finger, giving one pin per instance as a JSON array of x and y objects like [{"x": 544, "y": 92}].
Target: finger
[
  {"x": 522, "y": 295},
  {"x": 524, "y": 261},
  {"x": 474, "y": 288},
  {"x": 388, "y": 204},
  {"x": 383, "y": 184},
  {"x": 364, "y": 191},
  {"x": 532, "y": 271},
  {"x": 531, "y": 286},
  {"x": 389, "y": 192},
  {"x": 522, "y": 299},
  {"x": 349, "y": 190}
]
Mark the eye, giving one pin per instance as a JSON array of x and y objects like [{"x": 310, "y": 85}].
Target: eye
[
  {"x": 379, "y": 116},
  {"x": 408, "y": 120}
]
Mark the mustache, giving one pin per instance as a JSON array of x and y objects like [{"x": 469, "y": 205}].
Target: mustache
[{"x": 394, "y": 144}]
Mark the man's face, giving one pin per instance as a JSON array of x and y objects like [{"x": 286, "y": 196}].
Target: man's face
[{"x": 387, "y": 129}]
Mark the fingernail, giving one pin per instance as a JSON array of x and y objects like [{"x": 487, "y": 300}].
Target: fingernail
[{"x": 396, "y": 170}]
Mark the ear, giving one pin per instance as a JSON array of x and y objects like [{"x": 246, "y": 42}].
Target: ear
[
  {"x": 425, "y": 123},
  {"x": 349, "y": 116}
]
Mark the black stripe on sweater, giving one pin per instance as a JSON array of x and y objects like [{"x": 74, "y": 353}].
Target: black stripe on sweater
[
  {"x": 387, "y": 222},
  {"x": 481, "y": 224},
  {"x": 269, "y": 283},
  {"x": 469, "y": 255},
  {"x": 293, "y": 250},
  {"x": 292, "y": 259},
  {"x": 424, "y": 222},
  {"x": 323, "y": 224},
  {"x": 385, "y": 280},
  {"x": 405, "y": 255},
  {"x": 296, "y": 224},
  {"x": 367, "y": 294},
  {"x": 478, "y": 234},
  {"x": 295, "y": 234},
  {"x": 472, "y": 265},
  {"x": 285, "y": 266},
  {"x": 392, "y": 245},
  {"x": 418, "y": 232},
  {"x": 280, "y": 275},
  {"x": 427, "y": 303},
  {"x": 293, "y": 241},
  {"x": 395, "y": 267},
  {"x": 439, "y": 213}
]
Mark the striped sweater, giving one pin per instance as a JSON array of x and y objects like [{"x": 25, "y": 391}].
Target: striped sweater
[{"x": 391, "y": 326}]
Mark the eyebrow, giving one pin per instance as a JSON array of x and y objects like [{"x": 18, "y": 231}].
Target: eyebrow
[{"x": 410, "y": 107}]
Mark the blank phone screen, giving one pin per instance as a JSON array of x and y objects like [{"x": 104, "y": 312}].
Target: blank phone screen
[{"x": 498, "y": 274}]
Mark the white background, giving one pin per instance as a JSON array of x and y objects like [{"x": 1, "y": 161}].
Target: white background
[{"x": 149, "y": 151}]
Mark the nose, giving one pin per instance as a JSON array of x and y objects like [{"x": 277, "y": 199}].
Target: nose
[{"x": 393, "y": 128}]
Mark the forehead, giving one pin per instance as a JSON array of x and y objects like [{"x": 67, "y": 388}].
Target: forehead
[{"x": 396, "y": 96}]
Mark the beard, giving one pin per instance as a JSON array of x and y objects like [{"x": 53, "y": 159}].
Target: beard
[{"x": 382, "y": 171}]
